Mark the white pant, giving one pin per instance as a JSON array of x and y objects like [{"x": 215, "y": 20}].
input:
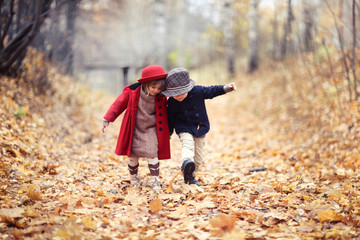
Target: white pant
[{"x": 192, "y": 148}]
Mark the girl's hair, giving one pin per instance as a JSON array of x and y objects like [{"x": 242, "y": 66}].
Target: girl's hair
[{"x": 146, "y": 85}]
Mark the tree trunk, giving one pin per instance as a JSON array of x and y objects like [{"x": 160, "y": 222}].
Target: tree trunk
[
  {"x": 308, "y": 23},
  {"x": 21, "y": 41},
  {"x": 53, "y": 34},
  {"x": 286, "y": 41},
  {"x": 7, "y": 13},
  {"x": 275, "y": 36},
  {"x": 72, "y": 7},
  {"x": 253, "y": 55},
  {"x": 39, "y": 40},
  {"x": 354, "y": 48},
  {"x": 339, "y": 30},
  {"x": 229, "y": 36}
]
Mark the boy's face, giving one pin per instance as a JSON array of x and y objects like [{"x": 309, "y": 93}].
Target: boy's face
[{"x": 181, "y": 97}]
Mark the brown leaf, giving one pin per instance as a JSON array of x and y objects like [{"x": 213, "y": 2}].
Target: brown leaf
[
  {"x": 223, "y": 223},
  {"x": 155, "y": 205},
  {"x": 34, "y": 192}
]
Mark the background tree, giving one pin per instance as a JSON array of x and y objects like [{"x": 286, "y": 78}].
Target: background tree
[
  {"x": 253, "y": 55},
  {"x": 286, "y": 43},
  {"x": 17, "y": 33},
  {"x": 308, "y": 15},
  {"x": 229, "y": 36}
]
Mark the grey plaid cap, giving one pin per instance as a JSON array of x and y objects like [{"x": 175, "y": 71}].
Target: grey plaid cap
[{"x": 178, "y": 82}]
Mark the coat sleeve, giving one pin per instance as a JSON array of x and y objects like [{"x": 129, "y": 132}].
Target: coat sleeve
[
  {"x": 212, "y": 91},
  {"x": 170, "y": 112},
  {"x": 118, "y": 106}
]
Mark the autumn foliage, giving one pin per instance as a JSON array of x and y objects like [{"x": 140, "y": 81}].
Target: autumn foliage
[{"x": 281, "y": 161}]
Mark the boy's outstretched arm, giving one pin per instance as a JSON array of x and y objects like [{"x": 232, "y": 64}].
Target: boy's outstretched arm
[{"x": 230, "y": 87}]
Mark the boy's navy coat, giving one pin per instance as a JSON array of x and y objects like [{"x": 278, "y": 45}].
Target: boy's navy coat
[{"x": 190, "y": 114}]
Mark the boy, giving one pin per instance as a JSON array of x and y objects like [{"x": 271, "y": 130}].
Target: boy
[{"x": 187, "y": 115}]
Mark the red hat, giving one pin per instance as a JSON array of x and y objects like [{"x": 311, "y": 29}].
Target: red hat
[{"x": 152, "y": 72}]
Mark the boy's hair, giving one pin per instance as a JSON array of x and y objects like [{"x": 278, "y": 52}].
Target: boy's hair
[{"x": 157, "y": 81}]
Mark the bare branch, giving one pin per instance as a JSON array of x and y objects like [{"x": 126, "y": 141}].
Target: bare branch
[{"x": 341, "y": 41}]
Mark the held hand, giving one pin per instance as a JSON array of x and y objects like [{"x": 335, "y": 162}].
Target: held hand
[{"x": 105, "y": 124}]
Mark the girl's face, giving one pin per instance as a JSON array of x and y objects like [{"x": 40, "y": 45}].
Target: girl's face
[
  {"x": 181, "y": 97},
  {"x": 154, "y": 89}
]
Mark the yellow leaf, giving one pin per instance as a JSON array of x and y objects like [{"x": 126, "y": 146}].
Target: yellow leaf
[
  {"x": 89, "y": 222},
  {"x": 155, "y": 205},
  {"x": 329, "y": 215}
]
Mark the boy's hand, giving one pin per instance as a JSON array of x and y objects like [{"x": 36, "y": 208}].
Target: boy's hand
[
  {"x": 105, "y": 124},
  {"x": 230, "y": 87}
]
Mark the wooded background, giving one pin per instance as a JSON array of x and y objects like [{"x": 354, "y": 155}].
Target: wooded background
[
  {"x": 282, "y": 157},
  {"x": 108, "y": 42}
]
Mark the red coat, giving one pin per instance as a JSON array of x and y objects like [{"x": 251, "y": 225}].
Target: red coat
[{"x": 128, "y": 101}]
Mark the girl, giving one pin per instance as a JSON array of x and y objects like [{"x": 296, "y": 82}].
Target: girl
[{"x": 144, "y": 131}]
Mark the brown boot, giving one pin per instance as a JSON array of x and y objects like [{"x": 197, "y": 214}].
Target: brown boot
[
  {"x": 155, "y": 179},
  {"x": 134, "y": 179}
]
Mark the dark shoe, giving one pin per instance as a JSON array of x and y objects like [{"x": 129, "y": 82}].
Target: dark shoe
[
  {"x": 193, "y": 181},
  {"x": 188, "y": 167}
]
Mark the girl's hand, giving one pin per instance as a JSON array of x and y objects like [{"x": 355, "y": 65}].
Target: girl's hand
[
  {"x": 230, "y": 87},
  {"x": 105, "y": 124}
]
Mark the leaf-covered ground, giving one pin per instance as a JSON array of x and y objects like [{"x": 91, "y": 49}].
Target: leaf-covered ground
[{"x": 275, "y": 167}]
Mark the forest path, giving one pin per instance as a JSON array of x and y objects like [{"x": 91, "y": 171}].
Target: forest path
[{"x": 72, "y": 185}]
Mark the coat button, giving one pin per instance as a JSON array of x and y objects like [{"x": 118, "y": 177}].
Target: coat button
[
  {"x": 160, "y": 114},
  {"x": 160, "y": 122},
  {"x": 158, "y": 99},
  {"x": 197, "y": 115},
  {"x": 159, "y": 107},
  {"x": 160, "y": 129}
]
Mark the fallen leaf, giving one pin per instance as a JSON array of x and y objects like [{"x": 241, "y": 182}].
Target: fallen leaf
[
  {"x": 329, "y": 215},
  {"x": 223, "y": 223},
  {"x": 88, "y": 222},
  {"x": 155, "y": 205},
  {"x": 170, "y": 188}
]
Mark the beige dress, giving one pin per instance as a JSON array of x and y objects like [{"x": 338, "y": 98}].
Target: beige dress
[{"x": 145, "y": 143}]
